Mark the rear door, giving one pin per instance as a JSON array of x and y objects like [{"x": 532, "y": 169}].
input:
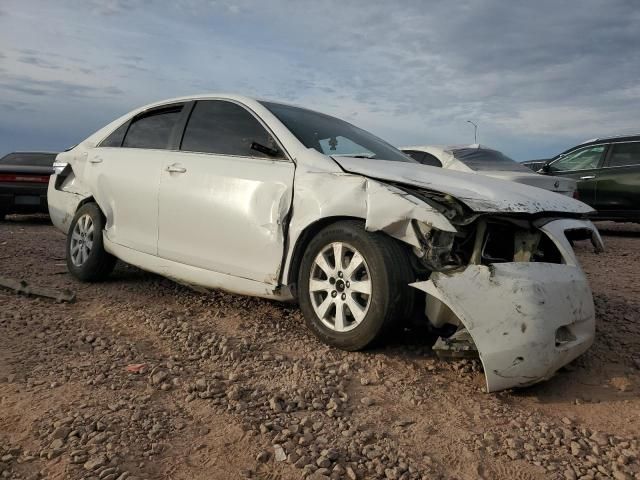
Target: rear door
[
  {"x": 124, "y": 174},
  {"x": 583, "y": 165},
  {"x": 224, "y": 204},
  {"x": 619, "y": 181}
]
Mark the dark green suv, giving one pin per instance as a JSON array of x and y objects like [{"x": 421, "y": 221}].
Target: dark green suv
[{"x": 608, "y": 174}]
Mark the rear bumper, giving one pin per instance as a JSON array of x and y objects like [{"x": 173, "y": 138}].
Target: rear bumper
[
  {"x": 62, "y": 205},
  {"x": 23, "y": 198}
]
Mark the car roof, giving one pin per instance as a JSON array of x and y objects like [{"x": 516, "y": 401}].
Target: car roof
[
  {"x": 27, "y": 154},
  {"x": 597, "y": 141},
  {"x": 210, "y": 96}
]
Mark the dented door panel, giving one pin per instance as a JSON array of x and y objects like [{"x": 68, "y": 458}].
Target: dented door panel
[{"x": 225, "y": 214}]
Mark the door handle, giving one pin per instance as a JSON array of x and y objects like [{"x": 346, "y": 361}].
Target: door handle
[
  {"x": 175, "y": 169},
  {"x": 587, "y": 177},
  {"x": 95, "y": 160}
]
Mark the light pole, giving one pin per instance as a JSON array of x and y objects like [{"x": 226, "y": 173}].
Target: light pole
[{"x": 475, "y": 131}]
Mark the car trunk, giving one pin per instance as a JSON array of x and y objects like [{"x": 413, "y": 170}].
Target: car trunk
[{"x": 565, "y": 186}]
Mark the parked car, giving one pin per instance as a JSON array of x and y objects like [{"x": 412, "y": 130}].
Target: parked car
[
  {"x": 608, "y": 174},
  {"x": 24, "y": 177},
  {"x": 535, "y": 165},
  {"x": 487, "y": 161},
  {"x": 267, "y": 199}
]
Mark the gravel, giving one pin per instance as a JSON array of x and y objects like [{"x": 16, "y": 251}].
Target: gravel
[{"x": 142, "y": 374}]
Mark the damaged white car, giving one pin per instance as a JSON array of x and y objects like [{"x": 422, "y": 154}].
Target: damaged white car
[{"x": 267, "y": 199}]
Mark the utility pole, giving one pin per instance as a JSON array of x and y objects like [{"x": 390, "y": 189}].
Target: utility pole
[{"x": 475, "y": 131}]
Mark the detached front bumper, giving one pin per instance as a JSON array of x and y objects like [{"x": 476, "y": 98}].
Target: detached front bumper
[{"x": 526, "y": 319}]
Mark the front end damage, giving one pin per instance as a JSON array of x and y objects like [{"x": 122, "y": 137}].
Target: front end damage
[{"x": 506, "y": 288}]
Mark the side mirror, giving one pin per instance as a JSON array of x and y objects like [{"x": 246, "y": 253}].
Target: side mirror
[{"x": 546, "y": 168}]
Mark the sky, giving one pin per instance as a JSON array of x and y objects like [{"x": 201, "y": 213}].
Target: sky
[{"x": 536, "y": 77}]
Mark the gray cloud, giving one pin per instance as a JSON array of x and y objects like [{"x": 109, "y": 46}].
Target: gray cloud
[
  {"x": 37, "y": 61},
  {"x": 55, "y": 88},
  {"x": 538, "y": 74}
]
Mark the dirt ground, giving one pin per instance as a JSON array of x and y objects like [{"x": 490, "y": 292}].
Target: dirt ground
[{"x": 227, "y": 387}]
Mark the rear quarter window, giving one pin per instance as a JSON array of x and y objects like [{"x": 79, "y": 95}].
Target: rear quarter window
[
  {"x": 152, "y": 130},
  {"x": 116, "y": 137}
]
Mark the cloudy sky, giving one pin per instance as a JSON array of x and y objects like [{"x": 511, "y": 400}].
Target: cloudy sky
[{"x": 537, "y": 76}]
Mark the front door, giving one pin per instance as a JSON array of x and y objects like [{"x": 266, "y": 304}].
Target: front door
[
  {"x": 582, "y": 165},
  {"x": 223, "y": 201}
]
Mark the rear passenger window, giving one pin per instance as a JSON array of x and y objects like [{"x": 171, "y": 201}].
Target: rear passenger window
[
  {"x": 625, "y": 154},
  {"x": 225, "y": 128},
  {"x": 152, "y": 130}
]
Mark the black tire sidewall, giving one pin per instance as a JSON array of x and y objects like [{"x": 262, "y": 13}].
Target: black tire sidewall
[
  {"x": 376, "y": 320},
  {"x": 88, "y": 270}
]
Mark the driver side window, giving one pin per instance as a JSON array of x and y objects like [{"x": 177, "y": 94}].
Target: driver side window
[
  {"x": 225, "y": 128},
  {"x": 584, "y": 159}
]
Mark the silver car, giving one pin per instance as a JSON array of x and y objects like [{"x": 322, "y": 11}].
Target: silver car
[
  {"x": 272, "y": 200},
  {"x": 487, "y": 161}
]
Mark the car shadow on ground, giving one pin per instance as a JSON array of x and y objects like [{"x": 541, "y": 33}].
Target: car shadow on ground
[{"x": 35, "y": 219}]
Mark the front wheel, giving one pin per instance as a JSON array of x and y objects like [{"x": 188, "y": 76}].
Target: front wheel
[
  {"x": 353, "y": 285},
  {"x": 87, "y": 259}
]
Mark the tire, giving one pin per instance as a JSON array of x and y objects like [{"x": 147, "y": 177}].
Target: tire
[
  {"x": 385, "y": 272},
  {"x": 87, "y": 259}
]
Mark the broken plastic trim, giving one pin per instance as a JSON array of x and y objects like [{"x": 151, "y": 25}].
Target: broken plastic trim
[
  {"x": 526, "y": 319},
  {"x": 512, "y": 312}
]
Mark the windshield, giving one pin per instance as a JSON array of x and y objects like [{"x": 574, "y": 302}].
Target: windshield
[
  {"x": 483, "y": 159},
  {"x": 31, "y": 159},
  {"x": 332, "y": 136}
]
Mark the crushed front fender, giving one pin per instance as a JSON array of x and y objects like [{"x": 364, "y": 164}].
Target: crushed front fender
[{"x": 526, "y": 319}]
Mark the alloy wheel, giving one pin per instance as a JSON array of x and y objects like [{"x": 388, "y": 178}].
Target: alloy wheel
[
  {"x": 81, "y": 240},
  {"x": 340, "y": 287}
]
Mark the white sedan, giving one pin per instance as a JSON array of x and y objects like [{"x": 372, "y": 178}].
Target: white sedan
[
  {"x": 272, "y": 200},
  {"x": 487, "y": 161}
]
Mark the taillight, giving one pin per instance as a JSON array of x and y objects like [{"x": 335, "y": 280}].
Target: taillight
[
  {"x": 58, "y": 167},
  {"x": 23, "y": 178},
  {"x": 576, "y": 195}
]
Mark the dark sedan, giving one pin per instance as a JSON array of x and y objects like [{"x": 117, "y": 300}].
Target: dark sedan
[
  {"x": 608, "y": 175},
  {"x": 24, "y": 177}
]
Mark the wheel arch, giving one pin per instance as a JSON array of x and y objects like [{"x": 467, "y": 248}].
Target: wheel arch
[
  {"x": 92, "y": 199},
  {"x": 303, "y": 241},
  {"x": 307, "y": 234}
]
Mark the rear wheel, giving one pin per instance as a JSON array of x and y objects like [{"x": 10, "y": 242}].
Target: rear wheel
[
  {"x": 353, "y": 285},
  {"x": 87, "y": 259}
]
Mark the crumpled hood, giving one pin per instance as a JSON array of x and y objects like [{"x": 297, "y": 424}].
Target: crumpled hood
[{"x": 480, "y": 193}]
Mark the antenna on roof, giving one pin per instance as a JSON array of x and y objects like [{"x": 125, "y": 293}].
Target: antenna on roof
[{"x": 475, "y": 131}]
